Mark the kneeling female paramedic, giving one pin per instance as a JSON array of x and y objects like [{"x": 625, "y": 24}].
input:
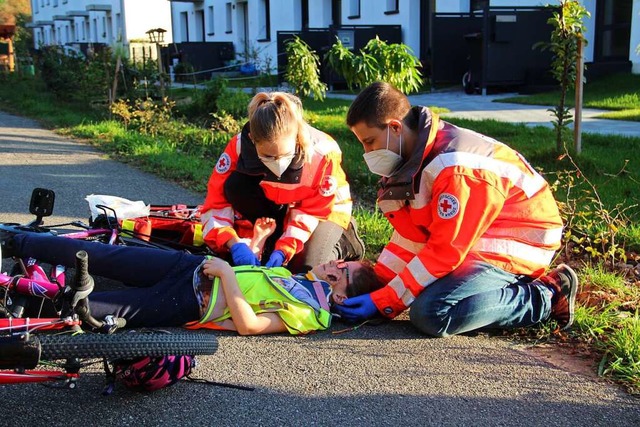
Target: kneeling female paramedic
[{"x": 280, "y": 167}]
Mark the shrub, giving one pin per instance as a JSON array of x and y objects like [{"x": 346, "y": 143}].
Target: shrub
[
  {"x": 302, "y": 69},
  {"x": 377, "y": 61},
  {"x": 215, "y": 102},
  {"x": 73, "y": 77},
  {"x": 60, "y": 72}
]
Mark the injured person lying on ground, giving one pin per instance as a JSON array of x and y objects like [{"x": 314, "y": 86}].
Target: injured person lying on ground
[{"x": 172, "y": 288}]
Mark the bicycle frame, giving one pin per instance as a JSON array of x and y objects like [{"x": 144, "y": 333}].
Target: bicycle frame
[
  {"x": 39, "y": 376},
  {"x": 37, "y": 283},
  {"x": 34, "y": 281}
]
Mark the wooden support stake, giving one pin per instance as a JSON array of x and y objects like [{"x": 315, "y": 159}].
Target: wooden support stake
[{"x": 577, "y": 128}]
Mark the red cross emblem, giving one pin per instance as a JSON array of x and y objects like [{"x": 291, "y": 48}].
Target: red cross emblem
[
  {"x": 328, "y": 186},
  {"x": 224, "y": 163},
  {"x": 445, "y": 206},
  {"x": 448, "y": 206}
]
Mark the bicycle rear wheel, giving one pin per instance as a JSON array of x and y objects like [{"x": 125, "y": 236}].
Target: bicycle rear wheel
[{"x": 126, "y": 345}]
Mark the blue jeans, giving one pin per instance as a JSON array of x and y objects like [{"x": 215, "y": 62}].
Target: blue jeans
[
  {"x": 479, "y": 295},
  {"x": 160, "y": 282}
]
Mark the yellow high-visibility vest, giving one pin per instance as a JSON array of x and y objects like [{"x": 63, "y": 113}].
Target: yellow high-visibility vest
[{"x": 265, "y": 290}]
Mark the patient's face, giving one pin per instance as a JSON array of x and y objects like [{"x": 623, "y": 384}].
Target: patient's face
[{"x": 338, "y": 274}]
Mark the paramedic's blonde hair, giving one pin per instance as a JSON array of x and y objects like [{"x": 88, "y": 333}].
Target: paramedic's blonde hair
[{"x": 276, "y": 113}]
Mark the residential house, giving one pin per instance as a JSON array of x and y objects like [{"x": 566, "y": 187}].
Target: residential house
[
  {"x": 252, "y": 26},
  {"x": 80, "y": 24}
]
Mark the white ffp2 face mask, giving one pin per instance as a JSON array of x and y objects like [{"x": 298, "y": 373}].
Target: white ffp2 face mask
[
  {"x": 383, "y": 162},
  {"x": 278, "y": 166}
]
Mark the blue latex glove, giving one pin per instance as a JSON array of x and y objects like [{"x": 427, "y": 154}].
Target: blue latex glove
[
  {"x": 276, "y": 259},
  {"x": 356, "y": 309},
  {"x": 242, "y": 255}
]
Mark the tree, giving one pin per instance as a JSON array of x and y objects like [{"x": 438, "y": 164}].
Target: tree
[
  {"x": 9, "y": 10},
  {"x": 568, "y": 31},
  {"x": 17, "y": 12}
]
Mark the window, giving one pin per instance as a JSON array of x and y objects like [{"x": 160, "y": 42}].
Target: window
[
  {"x": 184, "y": 27},
  {"x": 613, "y": 27},
  {"x": 36, "y": 9},
  {"x": 354, "y": 9},
  {"x": 478, "y": 5},
  {"x": 304, "y": 12},
  {"x": 119, "y": 27},
  {"x": 229, "y": 17},
  {"x": 264, "y": 30},
  {"x": 392, "y": 7},
  {"x": 55, "y": 3},
  {"x": 336, "y": 13},
  {"x": 210, "y": 22},
  {"x": 199, "y": 23}
]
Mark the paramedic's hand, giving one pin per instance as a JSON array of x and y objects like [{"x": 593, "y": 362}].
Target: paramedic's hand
[
  {"x": 242, "y": 255},
  {"x": 356, "y": 309},
  {"x": 276, "y": 259}
]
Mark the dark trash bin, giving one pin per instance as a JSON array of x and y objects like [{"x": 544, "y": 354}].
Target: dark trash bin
[{"x": 472, "y": 78}]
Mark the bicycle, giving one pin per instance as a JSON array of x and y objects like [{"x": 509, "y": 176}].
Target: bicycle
[
  {"x": 174, "y": 227},
  {"x": 26, "y": 343},
  {"x": 168, "y": 227}
]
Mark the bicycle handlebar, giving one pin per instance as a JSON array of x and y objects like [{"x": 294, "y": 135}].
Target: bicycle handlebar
[
  {"x": 80, "y": 288},
  {"x": 83, "y": 283}
]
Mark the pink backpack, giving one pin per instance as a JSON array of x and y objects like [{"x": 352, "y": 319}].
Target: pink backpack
[{"x": 150, "y": 373}]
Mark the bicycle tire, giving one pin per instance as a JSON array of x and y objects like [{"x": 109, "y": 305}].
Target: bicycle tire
[{"x": 126, "y": 345}]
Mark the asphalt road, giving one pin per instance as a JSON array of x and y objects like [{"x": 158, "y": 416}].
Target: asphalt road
[{"x": 373, "y": 376}]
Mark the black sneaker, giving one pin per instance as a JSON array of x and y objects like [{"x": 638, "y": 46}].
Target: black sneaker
[
  {"x": 351, "y": 244},
  {"x": 564, "y": 282}
]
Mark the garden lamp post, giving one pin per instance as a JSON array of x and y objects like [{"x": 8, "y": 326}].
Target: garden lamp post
[{"x": 156, "y": 36}]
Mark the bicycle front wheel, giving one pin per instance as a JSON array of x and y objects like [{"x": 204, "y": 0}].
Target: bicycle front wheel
[{"x": 126, "y": 345}]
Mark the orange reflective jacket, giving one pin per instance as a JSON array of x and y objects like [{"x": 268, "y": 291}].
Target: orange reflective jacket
[
  {"x": 461, "y": 195},
  {"x": 315, "y": 191}
]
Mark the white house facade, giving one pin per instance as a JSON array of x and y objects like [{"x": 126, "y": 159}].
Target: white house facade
[
  {"x": 613, "y": 30},
  {"x": 250, "y": 25},
  {"x": 74, "y": 23}
]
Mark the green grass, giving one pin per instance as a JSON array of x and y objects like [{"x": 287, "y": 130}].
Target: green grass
[
  {"x": 606, "y": 319},
  {"x": 612, "y": 288},
  {"x": 632, "y": 115},
  {"x": 29, "y": 97},
  {"x": 619, "y": 93}
]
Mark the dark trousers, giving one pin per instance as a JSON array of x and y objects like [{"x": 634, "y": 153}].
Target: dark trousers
[
  {"x": 160, "y": 282},
  {"x": 247, "y": 197}
]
